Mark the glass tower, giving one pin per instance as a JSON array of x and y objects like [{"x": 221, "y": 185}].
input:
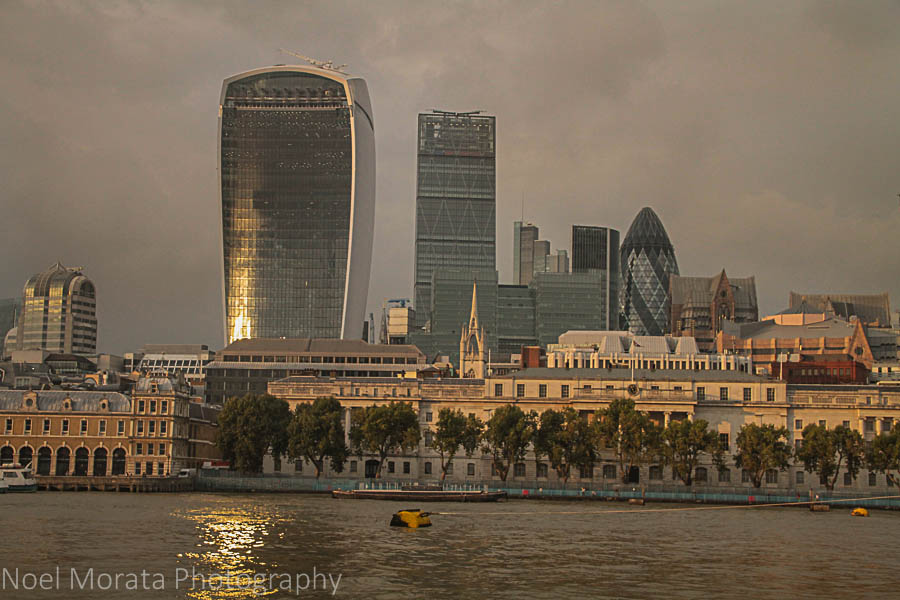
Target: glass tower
[
  {"x": 596, "y": 250},
  {"x": 647, "y": 259},
  {"x": 525, "y": 236},
  {"x": 297, "y": 163},
  {"x": 455, "y": 199}
]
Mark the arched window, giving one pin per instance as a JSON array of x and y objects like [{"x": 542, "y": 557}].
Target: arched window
[
  {"x": 82, "y": 456},
  {"x": 6, "y": 455},
  {"x": 25, "y": 454},
  {"x": 100, "y": 455},
  {"x": 62, "y": 461},
  {"x": 118, "y": 462},
  {"x": 45, "y": 456}
]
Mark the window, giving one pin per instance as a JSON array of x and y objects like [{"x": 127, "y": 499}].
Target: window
[
  {"x": 298, "y": 466},
  {"x": 542, "y": 390},
  {"x": 725, "y": 476},
  {"x": 150, "y": 451},
  {"x": 153, "y": 406},
  {"x": 450, "y": 468},
  {"x": 102, "y": 426},
  {"x": 609, "y": 471},
  {"x": 723, "y": 441},
  {"x": 848, "y": 479},
  {"x": 723, "y": 393},
  {"x": 470, "y": 469},
  {"x": 46, "y": 425},
  {"x": 873, "y": 479},
  {"x": 140, "y": 406},
  {"x": 798, "y": 444},
  {"x": 701, "y": 393},
  {"x": 139, "y": 448},
  {"x": 798, "y": 424},
  {"x": 656, "y": 472},
  {"x": 121, "y": 428},
  {"x": 870, "y": 425},
  {"x": 140, "y": 428},
  {"x": 164, "y": 406},
  {"x": 520, "y": 390},
  {"x": 406, "y": 467},
  {"x": 428, "y": 467},
  {"x": 771, "y": 476},
  {"x": 564, "y": 391},
  {"x": 161, "y": 468},
  {"x": 429, "y": 416},
  {"x": 498, "y": 390},
  {"x": 162, "y": 427},
  {"x": 586, "y": 472},
  {"x": 8, "y": 425},
  {"x": 137, "y": 468},
  {"x": 800, "y": 477},
  {"x": 678, "y": 388},
  {"x": 770, "y": 394},
  {"x": 27, "y": 425},
  {"x": 519, "y": 470},
  {"x": 162, "y": 449},
  {"x": 886, "y": 424},
  {"x": 701, "y": 474},
  {"x": 353, "y": 466},
  {"x": 745, "y": 476},
  {"x": 150, "y": 468},
  {"x": 390, "y": 466},
  {"x": 748, "y": 395},
  {"x": 846, "y": 424},
  {"x": 84, "y": 427},
  {"x": 429, "y": 437},
  {"x": 65, "y": 427},
  {"x": 542, "y": 470}
]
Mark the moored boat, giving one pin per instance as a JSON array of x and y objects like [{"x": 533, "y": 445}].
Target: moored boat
[
  {"x": 18, "y": 478},
  {"x": 421, "y": 495}
]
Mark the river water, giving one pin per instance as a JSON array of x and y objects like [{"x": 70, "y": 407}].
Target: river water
[{"x": 206, "y": 546}]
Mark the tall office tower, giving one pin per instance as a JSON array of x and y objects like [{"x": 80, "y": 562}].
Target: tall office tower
[
  {"x": 647, "y": 260},
  {"x": 596, "y": 249},
  {"x": 455, "y": 199},
  {"x": 297, "y": 158},
  {"x": 59, "y": 313},
  {"x": 525, "y": 236}
]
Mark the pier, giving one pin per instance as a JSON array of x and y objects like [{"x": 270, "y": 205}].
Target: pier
[{"x": 114, "y": 484}]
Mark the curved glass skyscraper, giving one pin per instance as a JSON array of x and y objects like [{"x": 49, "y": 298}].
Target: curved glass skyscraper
[
  {"x": 647, "y": 261},
  {"x": 297, "y": 164}
]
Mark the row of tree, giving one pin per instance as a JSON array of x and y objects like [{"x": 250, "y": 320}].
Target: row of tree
[{"x": 251, "y": 426}]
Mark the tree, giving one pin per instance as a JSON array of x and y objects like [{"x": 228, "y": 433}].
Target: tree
[
  {"x": 760, "y": 448},
  {"x": 682, "y": 443},
  {"x": 452, "y": 430},
  {"x": 631, "y": 435},
  {"x": 884, "y": 455},
  {"x": 506, "y": 437},
  {"x": 565, "y": 438},
  {"x": 251, "y": 426},
  {"x": 316, "y": 432},
  {"x": 381, "y": 430},
  {"x": 824, "y": 451}
]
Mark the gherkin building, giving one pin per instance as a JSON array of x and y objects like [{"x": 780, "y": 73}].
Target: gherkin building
[{"x": 647, "y": 261}]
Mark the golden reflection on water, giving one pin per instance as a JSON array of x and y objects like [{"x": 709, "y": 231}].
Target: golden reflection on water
[{"x": 226, "y": 563}]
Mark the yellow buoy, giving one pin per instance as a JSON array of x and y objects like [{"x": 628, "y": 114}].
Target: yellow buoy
[
  {"x": 859, "y": 512},
  {"x": 412, "y": 518}
]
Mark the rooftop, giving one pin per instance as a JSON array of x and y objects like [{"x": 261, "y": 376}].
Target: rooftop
[
  {"x": 639, "y": 375},
  {"x": 317, "y": 346},
  {"x": 52, "y": 400}
]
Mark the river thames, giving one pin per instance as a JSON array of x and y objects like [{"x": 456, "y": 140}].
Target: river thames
[{"x": 210, "y": 546}]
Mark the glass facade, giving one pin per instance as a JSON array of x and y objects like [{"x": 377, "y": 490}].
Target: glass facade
[
  {"x": 525, "y": 251},
  {"x": 59, "y": 313},
  {"x": 569, "y": 301},
  {"x": 455, "y": 200},
  {"x": 647, "y": 259},
  {"x": 287, "y": 138},
  {"x": 515, "y": 318},
  {"x": 596, "y": 249}
]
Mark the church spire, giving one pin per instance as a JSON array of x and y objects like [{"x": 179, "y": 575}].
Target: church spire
[{"x": 473, "y": 318}]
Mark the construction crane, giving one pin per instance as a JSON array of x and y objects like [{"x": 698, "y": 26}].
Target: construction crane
[{"x": 329, "y": 64}]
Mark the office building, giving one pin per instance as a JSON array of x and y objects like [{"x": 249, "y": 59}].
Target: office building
[
  {"x": 701, "y": 305},
  {"x": 647, "y": 260},
  {"x": 455, "y": 200},
  {"x": 59, "y": 313},
  {"x": 565, "y": 301},
  {"x": 525, "y": 240},
  {"x": 297, "y": 164},
  {"x": 596, "y": 250}
]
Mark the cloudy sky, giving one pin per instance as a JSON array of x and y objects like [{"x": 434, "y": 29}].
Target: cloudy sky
[{"x": 766, "y": 135}]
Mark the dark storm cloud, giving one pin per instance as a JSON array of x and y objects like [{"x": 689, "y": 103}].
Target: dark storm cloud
[{"x": 765, "y": 135}]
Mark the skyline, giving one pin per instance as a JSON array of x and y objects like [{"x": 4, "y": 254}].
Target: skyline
[{"x": 765, "y": 138}]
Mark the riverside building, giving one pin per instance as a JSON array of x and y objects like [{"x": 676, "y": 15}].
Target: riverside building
[
  {"x": 727, "y": 400},
  {"x": 297, "y": 164}
]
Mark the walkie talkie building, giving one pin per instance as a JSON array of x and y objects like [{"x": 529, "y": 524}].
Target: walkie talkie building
[{"x": 297, "y": 187}]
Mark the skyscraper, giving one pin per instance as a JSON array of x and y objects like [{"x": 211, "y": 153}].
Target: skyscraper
[
  {"x": 297, "y": 158},
  {"x": 596, "y": 250},
  {"x": 59, "y": 312},
  {"x": 525, "y": 236},
  {"x": 455, "y": 199},
  {"x": 647, "y": 261}
]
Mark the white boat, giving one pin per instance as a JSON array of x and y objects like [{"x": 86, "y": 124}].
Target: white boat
[{"x": 18, "y": 478}]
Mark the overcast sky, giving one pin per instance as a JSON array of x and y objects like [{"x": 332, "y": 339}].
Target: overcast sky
[{"x": 766, "y": 135}]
